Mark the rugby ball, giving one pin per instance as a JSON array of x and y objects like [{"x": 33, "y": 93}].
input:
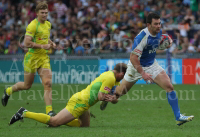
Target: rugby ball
[{"x": 164, "y": 42}]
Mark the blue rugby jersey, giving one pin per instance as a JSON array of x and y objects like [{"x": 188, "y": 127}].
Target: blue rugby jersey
[{"x": 145, "y": 46}]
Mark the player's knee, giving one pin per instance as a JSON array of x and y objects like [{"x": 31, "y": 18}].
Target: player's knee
[
  {"x": 54, "y": 122},
  {"x": 47, "y": 83},
  {"x": 85, "y": 119},
  {"x": 27, "y": 86},
  {"x": 86, "y": 114},
  {"x": 170, "y": 87},
  {"x": 84, "y": 123}
]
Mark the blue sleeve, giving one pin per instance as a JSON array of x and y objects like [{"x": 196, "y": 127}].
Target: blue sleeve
[
  {"x": 139, "y": 43},
  {"x": 138, "y": 39}
]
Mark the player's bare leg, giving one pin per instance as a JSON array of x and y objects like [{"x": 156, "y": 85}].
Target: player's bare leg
[
  {"x": 124, "y": 87},
  {"x": 163, "y": 81},
  {"x": 63, "y": 117},
  {"x": 85, "y": 119},
  {"x": 28, "y": 81},
  {"x": 46, "y": 76}
]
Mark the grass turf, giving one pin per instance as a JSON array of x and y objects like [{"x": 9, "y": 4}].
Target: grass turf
[{"x": 143, "y": 112}]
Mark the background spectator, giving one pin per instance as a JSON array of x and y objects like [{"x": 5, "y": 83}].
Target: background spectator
[{"x": 96, "y": 26}]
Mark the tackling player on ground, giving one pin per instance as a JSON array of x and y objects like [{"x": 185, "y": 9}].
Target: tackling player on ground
[
  {"x": 78, "y": 105},
  {"x": 36, "y": 59}
]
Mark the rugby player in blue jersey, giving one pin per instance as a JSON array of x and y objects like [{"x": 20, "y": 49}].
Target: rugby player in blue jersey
[{"x": 143, "y": 65}]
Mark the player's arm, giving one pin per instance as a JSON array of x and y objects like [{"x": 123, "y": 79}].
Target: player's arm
[
  {"x": 114, "y": 99},
  {"x": 101, "y": 96},
  {"x": 29, "y": 38},
  {"x": 30, "y": 44},
  {"x": 105, "y": 89},
  {"x": 139, "y": 44},
  {"x": 52, "y": 43},
  {"x": 107, "y": 97},
  {"x": 136, "y": 63}
]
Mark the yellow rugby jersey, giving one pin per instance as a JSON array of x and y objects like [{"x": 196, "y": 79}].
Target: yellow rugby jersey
[
  {"x": 40, "y": 32},
  {"x": 103, "y": 83}
]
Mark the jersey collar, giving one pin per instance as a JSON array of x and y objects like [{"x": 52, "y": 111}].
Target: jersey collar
[{"x": 148, "y": 33}]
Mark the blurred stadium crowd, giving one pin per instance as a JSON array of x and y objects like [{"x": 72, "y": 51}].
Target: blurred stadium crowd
[{"x": 100, "y": 26}]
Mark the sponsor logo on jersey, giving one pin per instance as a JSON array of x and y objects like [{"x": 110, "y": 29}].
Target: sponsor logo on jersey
[
  {"x": 42, "y": 38},
  {"x": 152, "y": 51},
  {"x": 107, "y": 88}
]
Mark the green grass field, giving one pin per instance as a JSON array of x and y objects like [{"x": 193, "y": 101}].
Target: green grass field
[{"x": 143, "y": 112}]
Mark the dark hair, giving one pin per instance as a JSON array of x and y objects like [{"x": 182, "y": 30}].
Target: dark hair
[
  {"x": 120, "y": 67},
  {"x": 151, "y": 16}
]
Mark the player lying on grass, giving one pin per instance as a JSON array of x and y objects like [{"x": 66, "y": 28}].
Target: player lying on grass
[{"x": 77, "y": 107}]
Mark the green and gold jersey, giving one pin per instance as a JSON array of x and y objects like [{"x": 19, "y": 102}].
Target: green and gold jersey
[
  {"x": 103, "y": 83},
  {"x": 40, "y": 32}
]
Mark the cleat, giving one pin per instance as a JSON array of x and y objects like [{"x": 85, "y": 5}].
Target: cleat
[
  {"x": 183, "y": 119},
  {"x": 103, "y": 105},
  {"x": 5, "y": 98},
  {"x": 18, "y": 116},
  {"x": 51, "y": 113}
]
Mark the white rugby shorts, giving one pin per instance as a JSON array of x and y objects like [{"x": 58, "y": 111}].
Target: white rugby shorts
[{"x": 132, "y": 75}]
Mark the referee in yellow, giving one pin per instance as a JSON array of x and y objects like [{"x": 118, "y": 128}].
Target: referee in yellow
[{"x": 36, "y": 59}]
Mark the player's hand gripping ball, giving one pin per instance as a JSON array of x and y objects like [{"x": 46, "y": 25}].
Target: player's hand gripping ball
[{"x": 165, "y": 42}]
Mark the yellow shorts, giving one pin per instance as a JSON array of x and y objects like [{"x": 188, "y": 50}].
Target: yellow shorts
[
  {"x": 32, "y": 62},
  {"x": 76, "y": 106}
]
